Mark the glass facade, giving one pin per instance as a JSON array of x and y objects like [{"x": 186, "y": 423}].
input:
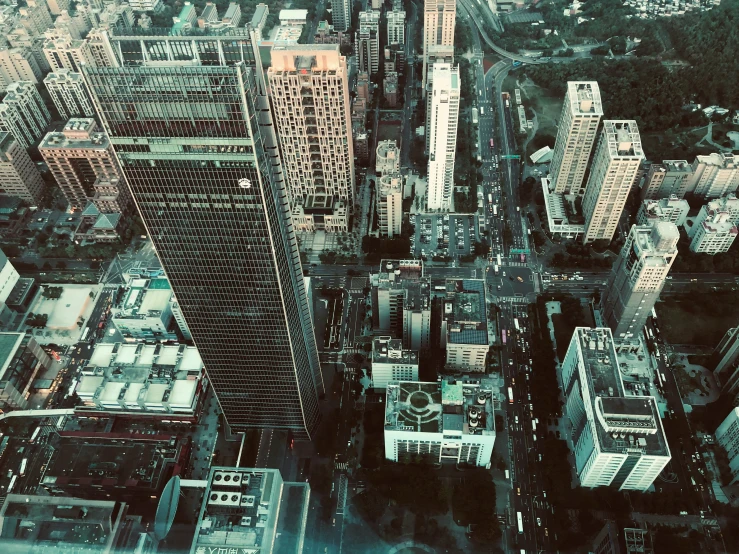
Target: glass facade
[{"x": 197, "y": 148}]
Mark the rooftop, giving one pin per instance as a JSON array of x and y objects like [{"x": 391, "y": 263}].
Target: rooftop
[
  {"x": 461, "y": 406},
  {"x": 393, "y": 271},
  {"x": 718, "y": 222},
  {"x": 679, "y": 166},
  {"x": 652, "y": 243},
  {"x": 465, "y": 311},
  {"x": 78, "y": 132},
  {"x": 725, "y": 161},
  {"x": 584, "y": 97},
  {"x": 386, "y": 350},
  {"x": 622, "y": 139},
  {"x": 144, "y": 297}
]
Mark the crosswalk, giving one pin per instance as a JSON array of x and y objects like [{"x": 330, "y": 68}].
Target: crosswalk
[
  {"x": 515, "y": 264},
  {"x": 514, "y": 299}
]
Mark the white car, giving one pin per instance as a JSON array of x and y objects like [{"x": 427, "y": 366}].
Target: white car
[{"x": 538, "y": 521}]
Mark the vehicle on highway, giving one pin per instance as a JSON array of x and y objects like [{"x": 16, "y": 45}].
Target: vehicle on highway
[
  {"x": 519, "y": 519},
  {"x": 510, "y": 397}
]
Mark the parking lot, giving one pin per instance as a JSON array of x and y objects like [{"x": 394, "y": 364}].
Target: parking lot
[{"x": 444, "y": 235}]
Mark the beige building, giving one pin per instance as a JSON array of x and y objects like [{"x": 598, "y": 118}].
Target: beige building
[
  {"x": 83, "y": 163},
  {"x": 19, "y": 176},
  {"x": 309, "y": 91},
  {"x": 669, "y": 178},
  {"x": 728, "y": 203},
  {"x": 56, "y": 7},
  {"x": 390, "y": 205},
  {"x": 442, "y": 116},
  {"x": 101, "y": 52},
  {"x": 672, "y": 209},
  {"x": 615, "y": 164},
  {"x": 18, "y": 64},
  {"x": 439, "y": 18},
  {"x": 714, "y": 234},
  {"x": 387, "y": 160},
  {"x": 62, "y": 51},
  {"x": 578, "y": 124},
  {"x": 23, "y": 113},
  {"x": 35, "y": 17},
  {"x": 68, "y": 92},
  {"x": 714, "y": 175}
]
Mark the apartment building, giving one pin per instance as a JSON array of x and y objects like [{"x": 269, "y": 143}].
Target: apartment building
[
  {"x": 728, "y": 204},
  {"x": 396, "y": 27},
  {"x": 714, "y": 175},
  {"x": 670, "y": 178},
  {"x": 638, "y": 277},
  {"x": 615, "y": 165},
  {"x": 68, "y": 92},
  {"x": 391, "y": 362},
  {"x": 35, "y": 17},
  {"x": 387, "y": 159},
  {"x": 714, "y": 234},
  {"x": 341, "y": 15},
  {"x": 19, "y": 176},
  {"x": 725, "y": 356},
  {"x": 390, "y": 205},
  {"x": 18, "y": 64},
  {"x": 83, "y": 163},
  {"x": 442, "y": 117},
  {"x": 63, "y": 51},
  {"x": 464, "y": 325},
  {"x": 101, "y": 51},
  {"x": 23, "y": 113},
  {"x": 439, "y": 19},
  {"x": 670, "y": 209},
  {"x": 367, "y": 42},
  {"x": 618, "y": 440},
  {"x": 578, "y": 124},
  {"x": 310, "y": 101},
  {"x": 727, "y": 437}
]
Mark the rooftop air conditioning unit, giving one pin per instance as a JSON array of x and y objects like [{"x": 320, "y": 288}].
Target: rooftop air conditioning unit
[{"x": 224, "y": 499}]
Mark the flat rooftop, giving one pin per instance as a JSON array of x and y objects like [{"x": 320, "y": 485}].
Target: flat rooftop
[
  {"x": 623, "y": 139},
  {"x": 393, "y": 271},
  {"x": 656, "y": 243},
  {"x": 143, "y": 297},
  {"x": 584, "y": 98},
  {"x": 465, "y": 311},
  {"x": 386, "y": 350},
  {"x": 677, "y": 166}
]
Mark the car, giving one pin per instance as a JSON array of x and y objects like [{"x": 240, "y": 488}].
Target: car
[
  {"x": 518, "y": 490},
  {"x": 510, "y": 362},
  {"x": 546, "y": 532},
  {"x": 513, "y": 381},
  {"x": 538, "y": 521},
  {"x": 519, "y": 279},
  {"x": 669, "y": 278}
]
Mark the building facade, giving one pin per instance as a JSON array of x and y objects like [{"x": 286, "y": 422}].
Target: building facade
[
  {"x": 669, "y": 209},
  {"x": 442, "y": 116},
  {"x": 310, "y": 102},
  {"x": 576, "y": 133},
  {"x": 390, "y": 205},
  {"x": 215, "y": 203},
  {"x": 439, "y": 19},
  {"x": 618, "y": 440},
  {"x": 64, "y": 52},
  {"x": 367, "y": 42},
  {"x": 67, "y": 91},
  {"x": 341, "y": 15},
  {"x": 464, "y": 325},
  {"x": 390, "y": 285},
  {"x": 391, "y": 362},
  {"x": 714, "y": 234},
  {"x": 18, "y": 64},
  {"x": 21, "y": 361},
  {"x": 19, "y": 176},
  {"x": 615, "y": 165},
  {"x": 714, "y": 175},
  {"x": 638, "y": 277},
  {"x": 671, "y": 177},
  {"x": 23, "y": 113},
  {"x": 396, "y": 27},
  {"x": 725, "y": 357},
  {"x": 727, "y": 437}
]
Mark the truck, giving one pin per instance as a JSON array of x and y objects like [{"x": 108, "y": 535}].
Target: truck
[
  {"x": 503, "y": 336},
  {"x": 515, "y": 323},
  {"x": 495, "y": 210},
  {"x": 482, "y": 110},
  {"x": 474, "y": 116},
  {"x": 495, "y": 266},
  {"x": 510, "y": 395}
]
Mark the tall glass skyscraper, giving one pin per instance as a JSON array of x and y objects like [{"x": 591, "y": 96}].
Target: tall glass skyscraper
[{"x": 190, "y": 123}]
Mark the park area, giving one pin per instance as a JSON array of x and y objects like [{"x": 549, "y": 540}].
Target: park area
[{"x": 698, "y": 319}]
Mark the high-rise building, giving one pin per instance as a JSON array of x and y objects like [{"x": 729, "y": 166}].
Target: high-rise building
[
  {"x": 638, "y": 277},
  {"x": 728, "y": 204},
  {"x": 464, "y": 325},
  {"x": 613, "y": 539},
  {"x": 726, "y": 356},
  {"x": 714, "y": 175},
  {"x": 669, "y": 178},
  {"x": 391, "y": 283},
  {"x": 18, "y": 64},
  {"x": 391, "y": 362},
  {"x": 62, "y": 51},
  {"x": 341, "y": 15},
  {"x": 615, "y": 164},
  {"x": 83, "y": 163},
  {"x": 451, "y": 421},
  {"x": 669, "y": 209},
  {"x": 439, "y": 18},
  {"x": 396, "y": 27},
  {"x": 310, "y": 102},
  {"x": 35, "y": 17},
  {"x": 9, "y": 278},
  {"x": 68, "y": 92},
  {"x": 23, "y": 113},
  {"x": 368, "y": 42},
  {"x": 443, "y": 114},
  {"x": 208, "y": 184},
  {"x": 714, "y": 234},
  {"x": 390, "y": 205},
  {"x": 618, "y": 440},
  {"x": 387, "y": 159},
  {"x": 578, "y": 124},
  {"x": 727, "y": 437},
  {"x": 56, "y": 7},
  {"x": 22, "y": 360},
  {"x": 19, "y": 176},
  {"x": 101, "y": 51}
]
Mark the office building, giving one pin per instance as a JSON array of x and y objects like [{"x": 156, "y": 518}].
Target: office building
[
  {"x": 390, "y": 88},
  {"x": 64, "y": 52},
  {"x": 390, "y": 205},
  {"x": 23, "y": 113},
  {"x": 439, "y": 19},
  {"x": 18, "y": 64},
  {"x": 464, "y": 325},
  {"x": 367, "y": 42},
  {"x": 67, "y": 91},
  {"x": 387, "y": 160},
  {"x": 21, "y": 361},
  {"x": 251, "y": 511},
  {"x": 390, "y": 285},
  {"x": 56, "y": 7},
  {"x": 142, "y": 378},
  {"x": 669, "y": 209},
  {"x": 144, "y": 5},
  {"x": 669, "y": 178},
  {"x": 714, "y": 234},
  {"x": 727, "y": 437},
  {"x": 638, "y": 277},
  {"x": 618, "y": 440},
  {"x": 725, "y": 357},
  {"x": 442, "y": 117},
  {"x": 417, "y": 315},
  {"x": 144, "y": 312},
  {"x": 341, "y": 15},
  {"x": 179, "y": 318},
  {"x": 19, "y": 176},
  {"x": 314, "y": 129},
  {"x": 229, "y": 249},
  {"x": 83, "y": 163},
  {"x": 726, "y": 204},
  {"x": 615, "y": 165},
  {"x": 396, "y": 27},
  {"x": 576, "y": 133},
  {"x": 451, "y": 421},
  {"x": 714, "y": 175},
  {"x": 391, "y": 362}
]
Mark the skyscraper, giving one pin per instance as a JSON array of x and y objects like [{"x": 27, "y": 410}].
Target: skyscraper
[
  {"x": 615, "y": 164},
  {"x": 23, "y": 113},
  {"x": 439, "y": 18},
  {"x": 442, "y": 116},
  {"x": 714, "y": 175},
  {"x": 578, "y": 123},
  {"x": 67, "y": 91},
  {"x": 309, "y": 91},
  {"x": 638, "y": 277},
  {"x": 197, "y": 147},
  {"x": 341, "y": 14}
]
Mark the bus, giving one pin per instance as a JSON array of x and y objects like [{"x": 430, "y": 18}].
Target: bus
[
  {"x": 474, "y": 116},
  {"x": 502, "y": 334},
  {"x": 515, "y": 323},
  {"x": 24, "y": 463},
  {"x": 654, "y": 315},
  {"x": 499, "y": 260},
  {"x": 35, "y": 434},
  {"x": 492, "y": 144},
  {"x": 482, "y": 110},
  {"x": 84, "y": 335},
  {"x": 533, "y": 425},
  {"x": 12, "y": 483},
  {"x": 495, "y": 266},
  {"x": 495, "y": 210},
  {"x": 510, "y": 395},
  {"x": 520, "y": 523},
  {"x": 490, "y": 198}
]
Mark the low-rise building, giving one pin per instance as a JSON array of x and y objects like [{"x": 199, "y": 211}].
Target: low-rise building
[
  {"x": 618, "y": 440},
  {"x": 251, "y": 511},
  {"x": 670, "y": 209},
  {"x": 391, "y": 362},
  {"x": 145, "y": 312},
  {"x": 714, "y": 234},
  {"x": 320, "y": 212},
  {"x": 450, "y": 421},
  {"x": 464, "y": 325},
  {"x": 21, "y": 361},
  {"x": 97, "y": 227}
]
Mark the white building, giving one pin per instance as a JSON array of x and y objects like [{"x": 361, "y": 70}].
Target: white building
[
  {"x": 714, "y": 234},
  {"x": 396, "y": 27},
  {"x": 669, "y": 209},
  {"x": 390, "y": 205},
  {"x": 439, "y": 19},
  {"x": 618, "y": 440},
  {"x": 391, "y": 284},
  {"x": 727, "y": 437},
  {"x": 310, "y": 101},
  {"x": 387, "y": 160},
  {"x": 464, "y": 325},
  {"x": 18, "y": 64},
  {"x": 578, "y": 124},
  {"x": 615, "y": 165},
  {"x": 68, "y": 92},
  {"x": 179, "y": 318},
  {"x": 144, "y": 5},
  {"x": 714, "y": 175},
  {"x": 293, "y": 17},
  {"x": 19, "y": 176},
  {"x": 669, "y": 178},
  {"x": 63, "y": 51},
  {"x": 145, "y": 311},
  {"x": 417, "y": 315},
  {"x": 341, "y": 15},
  {"x": 451, "y": 421},
  {"x": 23, "y": 113},
  {"x": 728, "y": 204},
  {"x": 142, "y": 378},
  {"x": 9, "y": 277},
  {"x": 367, "y": 42},
  {"x": 442, "y": 116},
  {"x": 391, "y": 362}
]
